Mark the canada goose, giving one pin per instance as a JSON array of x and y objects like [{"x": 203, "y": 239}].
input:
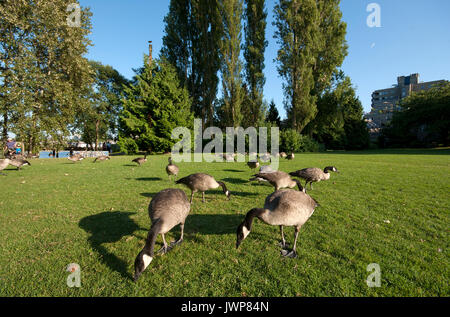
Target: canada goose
[
  {"x": 172, "y": 169},
  {"x": 253, "y": 164},
  {"x": 229, "y": 157},
  {"x": 140, "y": 160},
  {"x": 167, "y": 209},
  {"x": 101, "y": 158},
  {"x": 283, "y": 154},
  {"x": 314, "y": 174},
  {"x": 290, "y": 156},
  {"x": 202, "y": 182},
  {"x": 263, "y": 169},
  {"x": 75, "y": 158},
  {"x": 278, "y": 179},
  {"x": 265, "y": 157},
  {"x": 281, "y": 208},
  {"x": 19, "y": 162},
  {"x": 4, "y": 164}
]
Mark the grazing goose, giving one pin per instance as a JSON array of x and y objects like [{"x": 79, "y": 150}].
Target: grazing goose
[
  {"x": 265, "y": 157},
  {"x": 167, "y": 209},
  {"x": 4, "y": 164},
  {"x": 278, "y": 180},
  {"x": 19, "y": 162},
  {"x": 101, "y": 158},
  {"x": 140, "y": 160},
  {"x": 281, "y": 208},
  {"x": 76, "y": 158},
  {"x": 172, "y": 169},
  {"x": 202, "y": 182},
  {"x": 283, "y": 154},
  {"x": 314, "y": 174},
  {"x": 253, "y": 164},
  {"x": 290, "y": 156}
]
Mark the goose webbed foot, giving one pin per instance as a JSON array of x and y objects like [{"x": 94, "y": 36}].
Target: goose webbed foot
[
  {"x": 289, "y": 254},
  {"x": 175, "y": 243},
  {"x": 164, "y": 249},
  {"x": 283, "y": 244}
]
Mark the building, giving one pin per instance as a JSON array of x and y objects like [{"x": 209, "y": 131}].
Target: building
[{"x": 386, "y": 101}]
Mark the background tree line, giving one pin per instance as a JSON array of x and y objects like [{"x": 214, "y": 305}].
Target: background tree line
[{"x": 49, "y": 90}]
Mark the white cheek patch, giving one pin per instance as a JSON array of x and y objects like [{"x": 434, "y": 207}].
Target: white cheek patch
[
  {"x": 245, "y": 231},
  {"x": 147, "y": 260},
  {"x": 227, "y": 193}
]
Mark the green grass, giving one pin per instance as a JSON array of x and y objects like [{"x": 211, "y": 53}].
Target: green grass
[{"x": 56, "y": 212}]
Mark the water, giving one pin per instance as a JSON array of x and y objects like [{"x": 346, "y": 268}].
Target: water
[{"x": 65, "y": 154}]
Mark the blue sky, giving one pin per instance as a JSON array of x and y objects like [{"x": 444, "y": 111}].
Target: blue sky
[{"x": 414, "y": 37}]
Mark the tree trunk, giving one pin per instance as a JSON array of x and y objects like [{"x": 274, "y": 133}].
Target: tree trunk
[{"x": 96, "y": 134}]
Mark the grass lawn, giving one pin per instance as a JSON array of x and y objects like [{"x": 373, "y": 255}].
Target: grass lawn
[{"x": 385, "y": 207}]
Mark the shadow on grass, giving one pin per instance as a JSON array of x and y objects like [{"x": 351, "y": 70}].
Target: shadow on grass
[
  {"x": 233, "y": 171},
  {"x": 149, "y": 179},
  {"x": 212, "y": 224},
  {"x": 234, "y": 180},
  {"x": 109, "y": 227}
]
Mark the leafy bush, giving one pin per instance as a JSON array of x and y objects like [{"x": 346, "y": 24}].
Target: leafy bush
[
  {"x": 292, "y": 141},
  {"x": 127, "y": 145}
]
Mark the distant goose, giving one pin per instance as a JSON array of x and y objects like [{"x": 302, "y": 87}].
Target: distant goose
[
  {"x": 314, "y": 174},
  {"x": 283, "y": 154},
  {"x": 253, "y": 164},
  {"x": 167, "y": 209},
  {"x": 172, "y": 169},
  {"x": 265, "y": 157},
  {"x": 263, "y": 169},
  {"x": 278, "y": 179},
  {"x": 76, "y": 158},
  {"x": 202, "y": 182},
  {"x": 19, "y": 162},
  {"x": 281, "y": 208},
  {"x": 101, "y": 158},
  {"x": 290, "y": 156},
  {"x": 140, "y": 160},
  {"x": 4, "y": 164},
  {"x": 229, "y": 157}
]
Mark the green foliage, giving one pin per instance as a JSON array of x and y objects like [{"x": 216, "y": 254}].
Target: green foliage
[
  {"x": 153, "y": 106},
  {"x": 44, "y": 74},
  {"x": 231, "y": 68},
  {"x": 311, "y": 48},
  {"x": 423, "y": 121},
  {"x": 98, "y": 120},
  {"x": 292, "y": 141},
  {"x": 127, "y": 145},
  {"x": 339, "y": 122},
  {"x": 273, "y": 116},
  {"x": 255, "y": 16}
]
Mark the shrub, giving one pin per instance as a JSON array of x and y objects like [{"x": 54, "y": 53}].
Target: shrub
[
  {"x": 292, "y": 141},
  {"x": 127, "y": 145}
]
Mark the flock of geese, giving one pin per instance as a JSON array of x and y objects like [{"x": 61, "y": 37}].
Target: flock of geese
[
  {"x": 284, "y": 207},
  {"x": 170, "y": 207}
]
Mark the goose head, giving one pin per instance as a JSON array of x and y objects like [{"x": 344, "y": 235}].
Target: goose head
[
  {"x": 140, "y": 264},
  {"x": 330, "y": 168},
  {"x": 242, "y": 233}
]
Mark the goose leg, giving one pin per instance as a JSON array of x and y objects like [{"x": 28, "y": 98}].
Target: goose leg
[
  {"x": 164, "y": 249},
  {"x": 293, "y": 253},
  {"x": 283, "y": 241},
  {"x": 180, "y": 239},
  {"x": 192, "y": 197},
  {"x": 203, "y": 196}
]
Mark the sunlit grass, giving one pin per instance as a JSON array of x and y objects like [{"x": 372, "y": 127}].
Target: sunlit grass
[{"x": 390, "y": 208}]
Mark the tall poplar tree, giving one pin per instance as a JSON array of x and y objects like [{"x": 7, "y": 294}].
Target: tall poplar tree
[
  {"x": 231, "y": 69},
  {"x": 255, "y": 44},
  {"x": 312, "y": 45}
]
